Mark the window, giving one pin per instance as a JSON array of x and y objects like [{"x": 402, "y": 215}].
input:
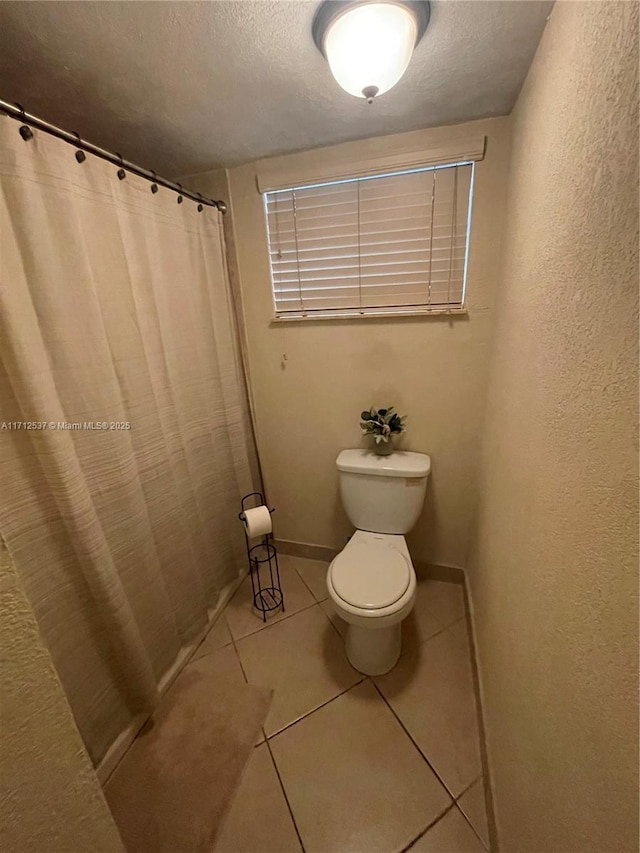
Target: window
[{"x": 371, "y": 246}]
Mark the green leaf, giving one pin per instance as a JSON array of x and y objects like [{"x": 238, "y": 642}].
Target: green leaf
[{"x": 380, "y": 422}]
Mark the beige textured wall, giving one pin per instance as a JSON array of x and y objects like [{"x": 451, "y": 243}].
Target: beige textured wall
[
  {"x": 213, "y": 184},
  {"x": 50, "y": 798},
  {"x": 554, "y": 577},
  {"x": 432, "y": 369}
]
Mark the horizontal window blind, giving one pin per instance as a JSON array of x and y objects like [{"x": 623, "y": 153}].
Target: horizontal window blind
[{"x": 390, "y": 244}]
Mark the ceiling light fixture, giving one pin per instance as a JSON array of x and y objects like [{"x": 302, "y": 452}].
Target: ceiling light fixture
[{"x": 369, "y": 43}]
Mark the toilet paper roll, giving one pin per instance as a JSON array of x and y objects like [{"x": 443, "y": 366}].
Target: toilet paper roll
[{"x": 257, "y": 521}]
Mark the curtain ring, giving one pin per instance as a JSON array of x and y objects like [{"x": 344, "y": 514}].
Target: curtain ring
[
  {"x": 180, "y": 199},
  {"x": 200, "y": 206},
  {"x": 154, "y": 186},
  {"x": 80, "y": 155},
  {"x": 25, "y": 131},
  {"x": 121, "y": 172}
]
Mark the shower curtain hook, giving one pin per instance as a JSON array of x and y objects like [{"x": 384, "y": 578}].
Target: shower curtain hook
[
  {"x": 25, "y": 131},
  {"x": 180, "y": 199},
  {"x": 200, "y": 206},
  {"x": 80, "y": 155},
  {"x": 154, "y": 186},
  {"x": 121, "y": 172}
]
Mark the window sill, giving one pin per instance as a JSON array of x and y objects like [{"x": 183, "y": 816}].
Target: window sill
[{"x": 452, "y": 313}]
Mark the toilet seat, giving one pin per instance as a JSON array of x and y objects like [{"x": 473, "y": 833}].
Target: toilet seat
[{"x": 370, "y": 576}]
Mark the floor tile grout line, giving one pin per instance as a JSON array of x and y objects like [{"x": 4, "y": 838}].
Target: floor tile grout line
[
  {"x": 284, "y": 794},
  {"x": 333, "y": 625},
  {"x": 413, "y": 741},
  {"x": 466, "y": 617},
  {"x": 331, "y": 622},
  {"x": 440, "y": 779},
  {"x": 267, "y": 738},
  {"x": 429, "y": 826},
  {"x": 244, "y": 674},
  {"x": 219, "y": 617},
  {"x": 289, "y": 725},
  {"x": 442, "y": 627},
  {"x": 210, "y": 652},
  {"x": 468, "y": 820},
  {"x": 487, "y": 791},
  {"x": 316, "y": 601},
  {"x": 431, "y": 636},
  {"x": 308, "y": 713},
  {"x": 235, "y": 648},
  {"x": 307, "y": 585},
  {"x": 233, "y": 640},
  {"x": 266, "y": 625},
  {"x": 469, "y": 786}
]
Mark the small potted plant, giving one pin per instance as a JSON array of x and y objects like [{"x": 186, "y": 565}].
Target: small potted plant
[{"x": 382, "y": 424}]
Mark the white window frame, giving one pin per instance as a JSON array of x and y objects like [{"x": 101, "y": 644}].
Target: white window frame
[{"x": 371, "y": 312}]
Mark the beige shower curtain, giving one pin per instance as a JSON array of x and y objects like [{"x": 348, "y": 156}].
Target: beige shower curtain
[{"x": 125, "y": 441}]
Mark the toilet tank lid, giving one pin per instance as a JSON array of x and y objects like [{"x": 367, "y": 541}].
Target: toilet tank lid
[{"x": 400, "y": 463}]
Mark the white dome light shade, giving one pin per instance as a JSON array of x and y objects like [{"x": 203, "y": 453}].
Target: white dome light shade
[{"x": 369, "y": 47}]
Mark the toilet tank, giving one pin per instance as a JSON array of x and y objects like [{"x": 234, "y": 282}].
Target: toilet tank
[{"x": 383, "y": 494}]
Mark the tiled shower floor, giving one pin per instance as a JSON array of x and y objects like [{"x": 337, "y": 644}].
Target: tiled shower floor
[{"x": 352, "y": 764}]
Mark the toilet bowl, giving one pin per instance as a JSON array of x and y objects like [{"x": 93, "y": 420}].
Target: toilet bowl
[{"x": 372, "y": 584}]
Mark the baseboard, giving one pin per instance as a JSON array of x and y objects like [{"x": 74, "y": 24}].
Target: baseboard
[
  {"x": 436, "y": 572},
  {"x": 305, "y": 550},
  {"x": 433, "y": 571},
  {"x": 477, "y": 687},
  {"x": 119, "y": 747}
]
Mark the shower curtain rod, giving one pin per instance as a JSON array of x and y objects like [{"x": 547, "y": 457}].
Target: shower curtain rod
[{"x": 17, "y": 112}]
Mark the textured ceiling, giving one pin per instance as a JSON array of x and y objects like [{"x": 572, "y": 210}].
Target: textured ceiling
[{"x": 182, "y": 87}]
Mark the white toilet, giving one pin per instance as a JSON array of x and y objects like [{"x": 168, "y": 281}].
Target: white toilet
[{"x": 372, "y": 582}]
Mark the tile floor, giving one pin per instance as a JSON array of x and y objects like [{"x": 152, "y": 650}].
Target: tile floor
[{"x": 346, "y": 763}]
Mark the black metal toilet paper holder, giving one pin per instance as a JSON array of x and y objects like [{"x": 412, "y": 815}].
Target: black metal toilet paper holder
[{"x": 263, "y": 554}]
